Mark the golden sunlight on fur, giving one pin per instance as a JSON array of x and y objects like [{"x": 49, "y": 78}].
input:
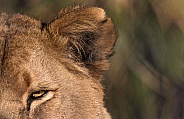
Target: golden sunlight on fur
[{"x": 53, "y": 70}]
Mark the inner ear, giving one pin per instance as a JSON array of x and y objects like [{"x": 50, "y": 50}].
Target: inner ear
[
  {"x": 81, "y": 49},
  {"x": 86, "y": 34}
]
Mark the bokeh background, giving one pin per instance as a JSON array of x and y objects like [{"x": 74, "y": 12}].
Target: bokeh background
[{"x": 146, "y": 76}]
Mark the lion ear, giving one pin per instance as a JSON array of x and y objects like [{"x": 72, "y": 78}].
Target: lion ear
[{"x": 88, "y": 36}]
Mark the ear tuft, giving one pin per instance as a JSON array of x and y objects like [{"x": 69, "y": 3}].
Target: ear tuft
[{"x": 86, "y": 34}]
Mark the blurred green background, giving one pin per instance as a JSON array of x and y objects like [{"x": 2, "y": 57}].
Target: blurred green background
[{"x": 146, "y": 76}]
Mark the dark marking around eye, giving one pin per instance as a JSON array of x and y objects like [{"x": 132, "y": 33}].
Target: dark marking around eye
[{"x": 35, "y": 96}]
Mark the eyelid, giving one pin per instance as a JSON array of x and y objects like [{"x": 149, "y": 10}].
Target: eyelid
[
  {"x": 33, "y": 102},
  {"x": 32, "y": 98},
  {"x": 38, "y": 86}
]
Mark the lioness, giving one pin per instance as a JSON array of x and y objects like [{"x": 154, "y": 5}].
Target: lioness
[{"x": 53, "y": 70}]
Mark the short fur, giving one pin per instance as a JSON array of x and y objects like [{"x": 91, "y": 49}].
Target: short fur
[{"x": 64, "y": 58}]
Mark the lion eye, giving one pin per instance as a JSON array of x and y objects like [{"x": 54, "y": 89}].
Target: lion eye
[
  {"x": 39, "y": 94},
  {"x": 36, "y": 96}
]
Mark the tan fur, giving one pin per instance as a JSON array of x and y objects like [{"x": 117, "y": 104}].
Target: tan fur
[{"x": 64, "y": 58}]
